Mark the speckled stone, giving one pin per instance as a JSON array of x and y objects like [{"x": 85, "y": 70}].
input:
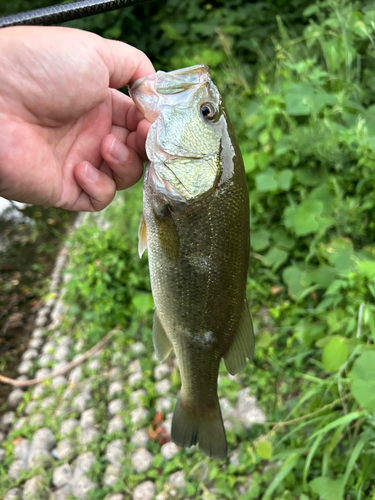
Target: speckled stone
[
  {"x": 169, "y": 450},
  {"x": 138, "y": 415},
  {"x": 31, "y": 354},
  {"x": 163, "y": 386},
  {"x": 64, "y": 449},
  {"x": 135, "y": 367},
  {"x": 88, "y": 435},
  {"x": 161, "y": 371},
  {"x": 115, "y": 406},
  {"x": 39, "y": 457},
  {"x": 115, "y": 424},
  {"x": 75, "y": 375},
  {"x": 112, "y": 475},
  {"x": 134, "y": 379},
  {"x": 25, "y": 367},
  {"x": 48, "y": 402},
  {"x": 68, "y": 426},
  {"x": 19, "y": 424},
  {"x": 163, "y": 404},
  {"x": 49, "y": 347},
  {"x": 21, "y": 449},
  {"x": 114, "y": 388},
  {"x": 63, "y": 493},
  {"x": 59, "y": 381},
  {"x": 44, "y": 438},
  {"x": 15, "y": 398},
  {"x": 43, "y": 372},
  {"x": 138, "y": 348},
  {"x": 45, "y": 360},
  {"x": 2, "y": 454},
  {"x": 16, "y": 469},
  {"x": 80, "y": 401},
  {"x": 136, "y": 397},
  {"x": 36, "y": 420},
  {"x": 140, "y": 438},
  {"x": 144, "y": 491},
  {"x": 65, "y": 341},
  {"x": 30, "y": 407},
  {"x": 81, "y": 483},
  {"x": 38, "y": 333},
  {"x": 141, "y": 460},
  {"x": 94, "y": 365},
  {"x": 33, "y": 488},
  {"x": 117, "y": 496},
  {"x": 114, "y": 452},
  {"x": 35, "y": 344},
  {"x": 2, "y": 437},
  {"x": 84, "y": 463},
  {"x": 62, "y": 475},
  {"x": 7, "y": 420},
  {"x": 87, "y": 418},
  {"x": 14, "y": 494},
  {"x": 177, "y": 479},
  {"x": 38, "y": 391},
  {"x": 167, "y": 424},
  {"x": 247, "y": 411},
  {"x": 61, "y": 353}
]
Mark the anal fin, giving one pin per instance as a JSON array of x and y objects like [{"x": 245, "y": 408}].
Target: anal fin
[
  {"x": 142, "y": 236},
  {"x": 162, "y": 344},
  {"x": 243, "y": 344}
]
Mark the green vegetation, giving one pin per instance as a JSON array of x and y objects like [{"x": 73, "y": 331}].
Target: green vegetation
[{"x": 298, "y": 78}]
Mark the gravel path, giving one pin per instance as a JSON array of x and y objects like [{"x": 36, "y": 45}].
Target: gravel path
[{"x": 95, "y": 427}]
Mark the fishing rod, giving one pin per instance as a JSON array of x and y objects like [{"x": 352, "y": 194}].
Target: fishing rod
[{"x": 61, "y": 13}]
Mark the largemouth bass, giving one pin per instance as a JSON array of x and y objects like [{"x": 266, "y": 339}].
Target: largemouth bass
[{"x": 195, "y": 224}]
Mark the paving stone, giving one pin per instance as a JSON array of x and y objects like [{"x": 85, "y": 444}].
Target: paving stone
[
  {"x": 45, "y": 360},
  {"x": 84, "y": 463},
  {"x": 35, "y": 344},
  {"x": 138, "y": 415},
  {"x": 64, "y": 449},
  {"x": 14, "y": 494},
  {"x": 68, "y": 426},
  {"x": 138, "y": 348},
  {"x": 169, "y": 450},
  {"x": 140, "y": 438},
  {"x": 22, "y": 378},
  {"x": 234, "y": 458},
  {"x": 87, "y": 418},
  {"x": 30, "y": 407},
  {"x": 62, "y": 475},
  {"x": 34, "y": 488},
  {"x": 226, "y": 408},
  {"x": 144, "y": 491},
  {"x": 94, "y": 365},
  {"x": 36, "y": 420},
  {"x": 15, "y": 398},
  {"x": 44, "y": 438},
  {"x": 68, "y": 393},
  {"x": 48, "y": 402},
  {"x": 38, "y": 391},
  {"x": 135, "y": 366},
  {"x": 247, "y": 411},
  {"x": 30, "y": 354},
  {"x": 80, "y": 401},
  {"x": 81, "y": 486},
  {"x": 163, "y": 386},
  {"x": 19, "y": 424},
  {"x": 141, "y": 459},
  {"x": 58, "y": 381},
  {"x": 161, "y": 371},
  {"x": 114, "y": 388},
  {"x": 21, "y": 449},
  {"x": 61, "y": 353},
  {"x": 88, "y": 435},
  {"x": 134, "y": 379},
  {"x": 115, "y": 406},
  {"x": 43, "y": 372},
  {"x": 38, "y": 333},
  {"x": 115, "y": 424},
  {"x": 115, "y": 373},
  {"x": 117, "y": 496},
  {"x": 163, "y": 404},
  {"x": 75, "y": 375},
  {"x": 63, "y": 493},
  {"x": 167, "y": 424},
  {"x": 114, "y": 452},
  {"x": 177, "y": 479},
  {"x": 65, "y": 341},
  {"x": 39, "y": 457},
  {"x": 112, "y": 475},
  {"x": 16, "y": 468},
  {"x": 137, "y": 397},
  {"x": 25, "y": 367},
  {"x": 79, "y": 345},
  {"x": 7, "y": 420},
  {"x": 49, "y": 347}
]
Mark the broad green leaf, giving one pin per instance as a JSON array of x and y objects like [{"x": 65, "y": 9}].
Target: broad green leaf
[
  {"x": 264, "y": 449},
  {"x": 366, "y": 436},
  {"x": 298, "y": 99},
  {"x": 335, "y": 353},
  {"x": 143, "y": 302},
  {"x": 363, "y": 380},
  {"x": 364, "y": 367},
  {"x": 284, "y": 179},
  {"x": 306, "y": 219},
  {"x": 336, "y": 318},
  {"x": 308, "y": 177},
  {"x": 366, "y": 269},
  {"x": 275, "y": 257},
  {"x": 266, "y": 181},
  {"x": 249, "y": 162},
  {"x": 260, "y": 240},
  {"x": 293, "y": 277},
  {"x": 328, "y": 489},
  {"x": 282, "y": 239}
]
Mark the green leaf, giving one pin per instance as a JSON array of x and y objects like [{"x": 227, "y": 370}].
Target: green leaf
[
  {"x": 293, "y": 277},
  {"x": 328, "y": 489},
  {"x": 298, "y": 99},
  {"x": 249, "y": 162},
  {"x": 264, "y": 449},
  {"x": 306, "y": 219},
  {"x": 335, "y": 353},
  {"x": 282, "y": 239},
  {"x": 284, "y": 179},
  {"x": 260, "y": 240},
  {"x": 287, "y": 466},
  {"x": 275, "y": 257},
  {"x": 346, "y": 419},
  {"x": 363, "y": 380},
  {"x": 266, "y": 181},
  {"x": 143, "y": 302},
  {"x": 367, "y": 269},
  {"x": 366, "y": 436}
]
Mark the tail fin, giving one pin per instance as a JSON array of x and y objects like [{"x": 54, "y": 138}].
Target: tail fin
[{"x": 209, "y": 433}]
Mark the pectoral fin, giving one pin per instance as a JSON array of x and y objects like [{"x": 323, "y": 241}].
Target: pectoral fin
[
  {"x": 243, "y": 344},
  {"x": 142, "y": 236},
  {"x": 162, "y": 344}
]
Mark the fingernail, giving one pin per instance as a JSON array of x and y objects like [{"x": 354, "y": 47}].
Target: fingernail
[
  {"x": 91, "y": 173},
  {"x": 118, "y": 151}
]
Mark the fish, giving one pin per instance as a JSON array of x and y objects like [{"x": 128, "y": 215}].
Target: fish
[{"x": 195, "y": 225}]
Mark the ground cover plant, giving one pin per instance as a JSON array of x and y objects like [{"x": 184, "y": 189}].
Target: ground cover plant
[{"x": 299, "y": 83}]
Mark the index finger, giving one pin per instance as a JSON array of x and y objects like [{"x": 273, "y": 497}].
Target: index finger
[{"x": 125, "y": 63}]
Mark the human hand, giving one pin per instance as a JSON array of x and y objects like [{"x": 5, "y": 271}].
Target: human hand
[{"x": 68, "y": 137}]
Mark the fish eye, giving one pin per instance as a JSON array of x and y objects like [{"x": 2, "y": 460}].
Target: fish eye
[{"x": 208, "y": 111}]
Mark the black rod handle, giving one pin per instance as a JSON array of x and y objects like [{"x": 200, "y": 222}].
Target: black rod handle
[{"x": 62, "y": 13}]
